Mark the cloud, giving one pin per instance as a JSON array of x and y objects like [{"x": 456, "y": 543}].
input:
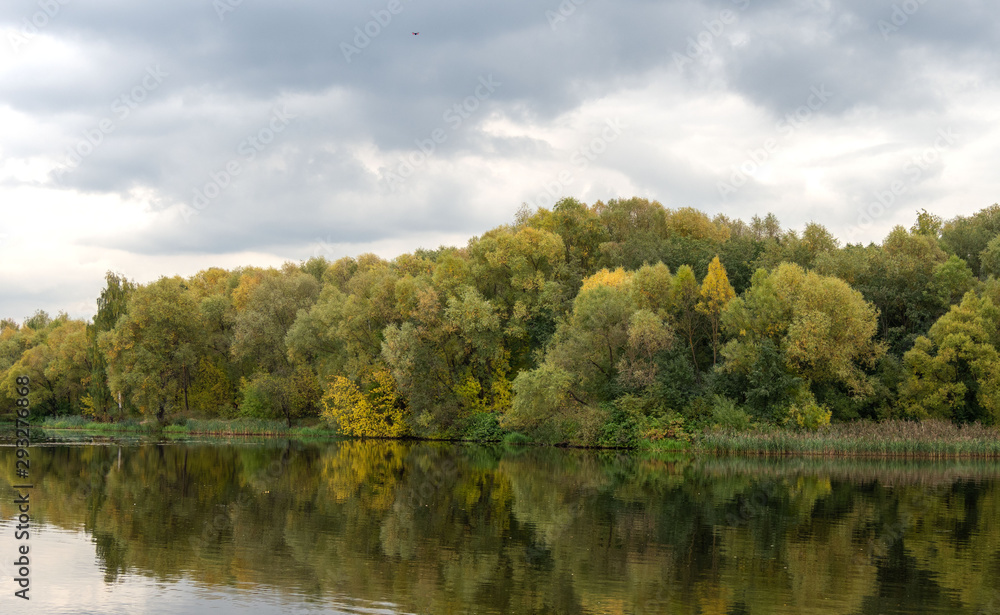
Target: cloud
[{"x": 699, "y": 86}]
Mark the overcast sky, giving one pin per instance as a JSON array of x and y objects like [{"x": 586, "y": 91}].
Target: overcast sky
[{"x": 164, "y": 138}]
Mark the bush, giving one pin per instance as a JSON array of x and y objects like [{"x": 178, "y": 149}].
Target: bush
[
  {"x": 806, "y": 413},
  {"x": 621, "y": 430},
  {"x": 379, "y": 413},
  {"x": 514, "y": 438},
  {"x": 667, "y": 427},
  {"x": 727, "y": 415},
  {"x": 483, "y": 427},
  {"x": 255, "y": 402}
]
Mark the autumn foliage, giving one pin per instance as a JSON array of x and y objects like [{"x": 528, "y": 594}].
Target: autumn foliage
[{"x": 580, "y": 323}]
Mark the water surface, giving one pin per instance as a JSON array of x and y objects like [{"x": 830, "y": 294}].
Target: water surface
[{"x": 393, "y": 527}]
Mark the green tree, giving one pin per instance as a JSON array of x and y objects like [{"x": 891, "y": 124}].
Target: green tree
[
  {"x": 989, "y": 258},
  {"x": 688, "y": 320},
  {"x": 967, "y": 237},
  {"x": 605, "y": 347},
  {"x": 898, "y": 277},
  {"x": 155, "y": 346},
  {"x": 269, "y": 311},
  {"x": 955, "y": 369},
  {"x": 111, "y": 306},
  {"x": 823, "y": 328}
]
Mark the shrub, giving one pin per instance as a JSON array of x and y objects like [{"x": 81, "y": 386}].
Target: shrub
[
  {"x": 483, "y": 427},
  {"x": 727, "y": 415},
  {"x": 806, "y": 413},
  {"x": 514, "y": 438},
  {"x": 621, "y": 429}
]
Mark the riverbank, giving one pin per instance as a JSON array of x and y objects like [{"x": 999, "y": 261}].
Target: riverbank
[
  {"x": 927, "y": 439},
  {"x": 208, "y": 427}
]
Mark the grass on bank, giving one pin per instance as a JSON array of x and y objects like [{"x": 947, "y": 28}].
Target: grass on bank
[
  {"x": 895, "y": 438},
  {"x": 182, "y": 426}
]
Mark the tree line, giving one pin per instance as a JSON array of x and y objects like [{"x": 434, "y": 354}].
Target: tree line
[{"x": 595, "y": 324}]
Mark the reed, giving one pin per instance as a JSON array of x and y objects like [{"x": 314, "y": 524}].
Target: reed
[
  {"x": 925, "y": 439},
  {"x": 179, "y": 427}
]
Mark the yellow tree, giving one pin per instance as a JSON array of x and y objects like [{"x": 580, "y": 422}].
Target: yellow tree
[
  {"x": 716, "y": 293},
  {"x": 379, "y": 413}
]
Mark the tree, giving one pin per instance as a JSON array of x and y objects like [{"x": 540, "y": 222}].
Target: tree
[
  {"x": 580, "y": 229},
  {"x": 154, "y": 347},
  {"x": 989, "y": 258},
  {"x": 955, "y": 369},
  {"x": 69, "y": 368},
  {"x": 967, "y": 237},
  {"x": 377, "y": 413},
  {"x": 111, "y": 306},
  {"x": 927, "y": 224},
  {"x": 684, "y": 298},
  {"x": 716, "y": 293},
  {"x": 952, "y": 279},
  {"x": 898, "y": 277},
  {"x": 636, "y": 231},
  {"x": 689, "y": 222},
  {"x": 606, "y": 347},
  {"x": 269, "y": 310},
  {"x": 823, "y": 328}
]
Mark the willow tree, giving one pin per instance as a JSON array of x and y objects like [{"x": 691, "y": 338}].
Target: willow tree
[
  {"x": 111, "y": 306},
  {"x": 791, "y": 324},
  {"x": 155, "y": 346},
  {"x": 606, "y": 347}
]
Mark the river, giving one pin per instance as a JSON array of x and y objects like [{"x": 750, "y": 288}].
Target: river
[{"x": 278, "y": 526}]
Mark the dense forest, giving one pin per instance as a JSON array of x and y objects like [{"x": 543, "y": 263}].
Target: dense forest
[{"x": 598, "y": 324}]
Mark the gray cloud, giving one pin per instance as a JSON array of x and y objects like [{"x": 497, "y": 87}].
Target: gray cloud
[{"x": 323, "y": 176}]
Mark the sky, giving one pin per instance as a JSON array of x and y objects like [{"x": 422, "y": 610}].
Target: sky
[{"x": 164, "y": 138}]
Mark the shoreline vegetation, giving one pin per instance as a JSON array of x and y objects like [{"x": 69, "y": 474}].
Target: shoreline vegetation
[
  {"x": 621, "y": 324},
  {"x": 929, "y": 439}
]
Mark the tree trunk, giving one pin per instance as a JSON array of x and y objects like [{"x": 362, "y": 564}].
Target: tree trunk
[{"x": 184, "y": 379}]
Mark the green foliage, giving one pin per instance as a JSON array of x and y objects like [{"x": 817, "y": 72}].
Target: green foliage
[
  {"x": 823, "y": 328},
  {"x": 968, "y": 237},
  {"x": 255, "y": 398},
  {"x": 483, "y": 427},
  {"x": 154, "y": 347},
  {"x": 951, "y": 280},
  {"x": 805, "y": 413},
  {"x": 955, "y": 370},
  {"x": 515, "y": 439},
  {"x": 581, "y": 324},
  {"x": 727, "y": 415},
  {"x": 621, "y": 428}
]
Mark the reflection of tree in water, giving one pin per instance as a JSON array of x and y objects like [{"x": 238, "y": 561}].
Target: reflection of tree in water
[{"x": 441, "y": 527}]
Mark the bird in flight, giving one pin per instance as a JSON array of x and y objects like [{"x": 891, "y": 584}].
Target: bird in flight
[{"x": 415, "y": 33}]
